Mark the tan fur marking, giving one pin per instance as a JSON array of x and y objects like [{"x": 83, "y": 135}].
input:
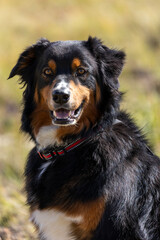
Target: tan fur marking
[
  {"x": 52, "y": 65},
  {"x": 89, "y": 116},
  {"x": 79, "y": 234},
  {"x": 41, "y": 116},
  {"x": 90, "y": 112},
  {"x": 91, "y": 213},
  {"x": 98, "y": 93},
  {"x": 75, "y": 63},
  {"x": 45, "y": 94},
  {"x": 36, "y": 98}
]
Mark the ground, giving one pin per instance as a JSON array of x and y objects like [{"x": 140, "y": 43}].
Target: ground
[{"x": 133, "y": 26}]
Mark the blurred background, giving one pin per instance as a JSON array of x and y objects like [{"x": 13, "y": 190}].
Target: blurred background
[{"x": 133, "y": 26}]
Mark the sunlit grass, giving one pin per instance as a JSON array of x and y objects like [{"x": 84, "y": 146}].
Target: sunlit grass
[{"x": 133, "y": 26}]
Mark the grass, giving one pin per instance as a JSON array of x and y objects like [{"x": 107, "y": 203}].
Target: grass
[{"x": 130, "y": 25}]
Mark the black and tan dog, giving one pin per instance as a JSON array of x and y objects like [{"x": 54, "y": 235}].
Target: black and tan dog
[{"x": 91, "y": 174}]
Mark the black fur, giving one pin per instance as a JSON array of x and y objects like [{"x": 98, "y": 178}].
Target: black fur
[
  {"x": 30, "y": 58},
  {"x": 116, "y": 163}
]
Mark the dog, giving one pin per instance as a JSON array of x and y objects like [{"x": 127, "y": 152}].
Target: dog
[{"x": 91, "y": 174}]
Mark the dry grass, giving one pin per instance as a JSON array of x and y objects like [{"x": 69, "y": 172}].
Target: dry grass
[{"x": 130, "y": 25}]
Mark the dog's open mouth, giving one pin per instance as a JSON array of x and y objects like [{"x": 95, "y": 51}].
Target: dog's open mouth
[{"x": 64, "y": 116}]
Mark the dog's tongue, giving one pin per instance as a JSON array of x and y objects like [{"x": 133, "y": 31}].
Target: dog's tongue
[{"x": 62, "y": 114}]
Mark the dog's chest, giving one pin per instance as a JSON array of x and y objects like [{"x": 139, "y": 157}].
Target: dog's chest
[
  {"x": 46, "y": 136},
  {"x": 54, "y": 225}
]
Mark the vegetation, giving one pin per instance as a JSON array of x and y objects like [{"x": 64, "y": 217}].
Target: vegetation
[{"x": 133, "y": 26}]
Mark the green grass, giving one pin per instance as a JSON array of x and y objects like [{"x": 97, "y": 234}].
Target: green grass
[{"x": 133, "y": 26}]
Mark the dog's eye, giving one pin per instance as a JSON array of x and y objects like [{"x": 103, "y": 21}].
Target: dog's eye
[
  {"x": 80, "y": 71},
  {"x": 47, "y": 71}
]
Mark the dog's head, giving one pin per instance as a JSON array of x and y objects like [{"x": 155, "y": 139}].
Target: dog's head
[{"x": 69, "y": 84}]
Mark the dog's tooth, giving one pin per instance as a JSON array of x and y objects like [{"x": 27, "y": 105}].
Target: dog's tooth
[
  {"x": 71, "y": 113},
  {"x": 54, "y": 113}
]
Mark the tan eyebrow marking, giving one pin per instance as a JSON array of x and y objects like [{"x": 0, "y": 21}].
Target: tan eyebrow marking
[
  {"x": 75, "y": 63},
  {"x": 52, "y": 65}
]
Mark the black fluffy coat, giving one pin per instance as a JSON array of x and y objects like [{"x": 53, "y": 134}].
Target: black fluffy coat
[{"x": 115, "y": 163}]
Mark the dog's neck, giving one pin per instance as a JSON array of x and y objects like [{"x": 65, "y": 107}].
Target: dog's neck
[{"x": 47, "y": 137}]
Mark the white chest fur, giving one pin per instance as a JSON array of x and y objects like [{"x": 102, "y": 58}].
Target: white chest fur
[
  {"x": 54, "y": 225},
  {"x": 46, "y": 136}
]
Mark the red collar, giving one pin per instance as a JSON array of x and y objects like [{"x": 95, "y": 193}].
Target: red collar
[{"x": 52, "y": 154}]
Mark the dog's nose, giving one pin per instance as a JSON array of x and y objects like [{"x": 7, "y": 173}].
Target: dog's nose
[{"x": 60, "y": 96}]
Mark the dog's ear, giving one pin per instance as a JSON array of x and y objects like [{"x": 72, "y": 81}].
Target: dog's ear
[
  {"x": 27, "y": 59},
  {"x": 110, "y": 61}
]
